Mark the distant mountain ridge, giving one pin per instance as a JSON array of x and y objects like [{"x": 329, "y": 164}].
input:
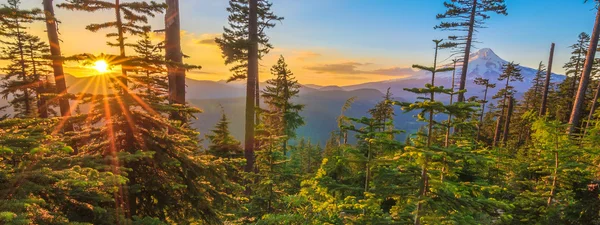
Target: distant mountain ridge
[
  {"x": 323, "y": 103},
  {"x": 482, "y": 63}
]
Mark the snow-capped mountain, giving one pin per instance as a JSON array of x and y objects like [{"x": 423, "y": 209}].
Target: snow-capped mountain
[{"x": 482, "y": 63}]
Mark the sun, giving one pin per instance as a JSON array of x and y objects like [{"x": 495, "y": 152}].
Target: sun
[{"x": 101, "y": 66}]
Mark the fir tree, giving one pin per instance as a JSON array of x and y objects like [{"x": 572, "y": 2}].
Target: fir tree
[
  {"x": 278, "y": 96},
  {"x": 511, "y": 73},
  {"x": 383, "y": 111},
  {"x": 487, "y": 85},
  {"x": 575, "y": 64},
  {"x": 467, "y": 16},
  {"x": 130, "y": 19},
  {"x": 243, "y": 44},
  {"x": 26, "y": 71},
  {"x": 57, "y": 65},
  {"x": 574, "y": 120}
]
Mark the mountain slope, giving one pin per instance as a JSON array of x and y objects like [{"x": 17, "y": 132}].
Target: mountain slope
[{"x": 483, "y": 63}]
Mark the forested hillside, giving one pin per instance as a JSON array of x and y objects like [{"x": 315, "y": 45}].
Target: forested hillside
[{"x": 468, "y": 139}]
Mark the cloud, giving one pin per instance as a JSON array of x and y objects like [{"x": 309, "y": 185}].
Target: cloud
[
  {"x": 347, "y": 68},
  {"x": 207, "y": 39},
  {"x": 394, "y": 71}
]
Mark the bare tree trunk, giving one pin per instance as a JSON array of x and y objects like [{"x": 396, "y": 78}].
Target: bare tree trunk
[
  {"x": 547, "y": 83},
  {"x": 499, "y": 120},
  {"x": 175, "y": 73},
  {"x": 57, "y": 66},
  {"x": 574, "y": 80},
  {"x": 508, "y": 117},
  {"x": 465, "y": 66},
  {"x": 497, "y": 130},
  {"x": 251, "y": 86},
  {"x": 585, "y": 77},
  {"x": 482, "y": 112}
]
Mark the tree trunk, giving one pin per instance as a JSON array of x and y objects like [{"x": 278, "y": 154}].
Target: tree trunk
[
  {"x": 424, "y": 176},
  {"x": 508, "y": 117},
  {"x": 42, "y": 106},
  {"x": 257, "y": 100},
  {"x": 593, "y": 108},
  {"x": 499, "y": 120},
  {"x": 574, "y": 80},
  {"x": 465, "y": 67},
  {"x": 175, "y": 73},
  {"x": 554, "y": 178},
  {"x": 547, "y": 83},
  {"x": 482, "y": 112},
  {"x": 585, "y": 77},
  {"x": 57, "y": 66},
  {"x": 447, "y": 140},
  {"x": 251, "y": 86},
  {"x": 497, "y": 129},
  {"x": 121, "y": 41}
]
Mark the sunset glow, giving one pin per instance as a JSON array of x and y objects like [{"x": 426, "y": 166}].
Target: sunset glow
[{"x": 101, "y": 66}]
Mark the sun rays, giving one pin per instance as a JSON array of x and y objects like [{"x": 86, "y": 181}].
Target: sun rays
[{"x": 101, "y": 66}]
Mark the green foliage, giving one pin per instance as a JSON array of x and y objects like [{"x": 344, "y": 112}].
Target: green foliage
[{"x": 235, "y": 41}]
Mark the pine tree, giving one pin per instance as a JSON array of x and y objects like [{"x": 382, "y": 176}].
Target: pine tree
[
  {"x": 383, "y": 111},
  {"x": 532, "y": 95},
  {"x": 160, "y": 157},
  {"x": 487, "y": 85},
  {"x": 57, "y": 66},
  {"x": 576, "y": 62},
  {"x": 467, "y": 16},
  {"x": 222, "y": 143},
  {"x": 574, "y": 120},
  {"x": 431, "y": 89},
  {"x": 278, "y": 96},
  {"x": 174, "y": 55},
  {"x": 26, "y": 72},
  {"x": 42, "y": 182},
  {"x": 130, "y": 19},
  {"x": 511, "y": 73},
  {"x": 243, "y": 44}
]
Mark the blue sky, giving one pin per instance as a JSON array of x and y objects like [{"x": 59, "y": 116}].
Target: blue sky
[{"x": 370, "y": 34}]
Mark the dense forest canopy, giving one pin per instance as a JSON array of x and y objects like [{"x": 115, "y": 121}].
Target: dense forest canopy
[{"x": 124, "y": 148}]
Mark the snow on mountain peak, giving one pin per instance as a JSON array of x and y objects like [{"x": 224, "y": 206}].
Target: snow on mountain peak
[{"x": 485, "y": 54}]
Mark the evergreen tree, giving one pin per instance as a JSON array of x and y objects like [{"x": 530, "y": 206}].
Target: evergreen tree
[
  {"x": 487, "y": 85},
  {"x": 130, "y": 19},
  {"x": 174, "y": 55},
  {"x": 575, "y": 64},
  {"x": 467, "y": 16},
  {"x": 532, "y": 95},
  {"x": 383, "y": 111},
  {"x": 41, "y": 182},
  {"x": 574, "y": 120},
  {"x": 511, "y": 73},
  {"x": 243, "y": 44},
  {"x": 27, "y": 70},
  {"x": 278, "y": 96}
]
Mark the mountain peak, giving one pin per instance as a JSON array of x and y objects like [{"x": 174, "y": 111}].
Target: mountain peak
[{"x": 486, "y": 54}]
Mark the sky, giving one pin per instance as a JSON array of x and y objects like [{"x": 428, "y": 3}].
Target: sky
[{"x": 344, "y": 42}]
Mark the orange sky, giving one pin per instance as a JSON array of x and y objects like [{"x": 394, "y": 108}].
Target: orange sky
[{"x": 311, "y": 65}]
